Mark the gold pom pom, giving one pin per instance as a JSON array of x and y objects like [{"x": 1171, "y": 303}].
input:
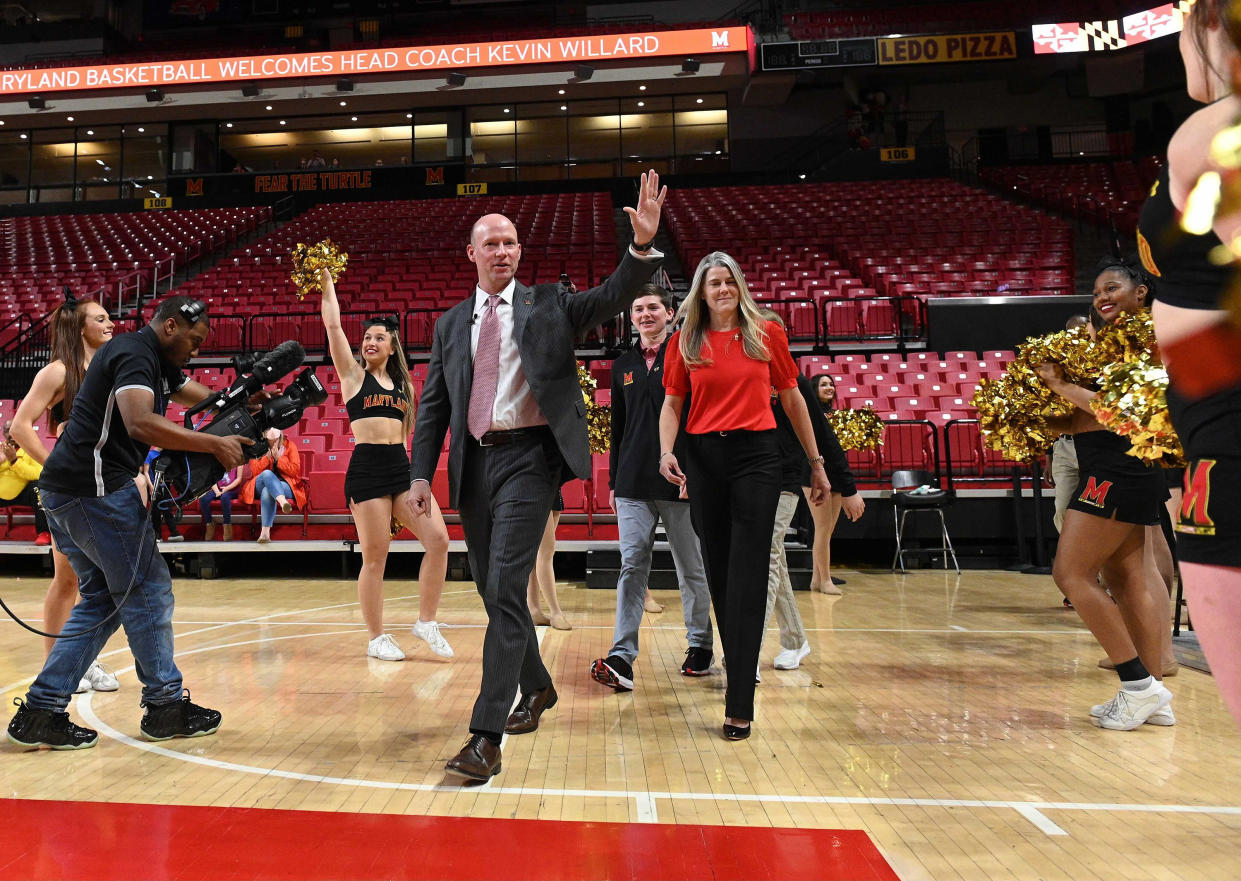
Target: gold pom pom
[
  {"x": 310, "y": 260},
  {"x": 856, "y": 429},
  {"x": 1132, "y": 401},
  {"x": 598, "y": 416}
]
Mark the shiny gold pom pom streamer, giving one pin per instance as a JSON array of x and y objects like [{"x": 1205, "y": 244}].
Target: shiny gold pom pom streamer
[
  {"x": 856, "y": 429},
  {"x": 310, "y": 260},
  {"x": 598, "y": 416}
]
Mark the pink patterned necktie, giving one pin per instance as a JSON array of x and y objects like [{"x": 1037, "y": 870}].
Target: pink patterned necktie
[{"x": 486, "y": 370}]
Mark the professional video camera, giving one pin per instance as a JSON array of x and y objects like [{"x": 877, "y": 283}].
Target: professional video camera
[{"x": 184, "y": 477}]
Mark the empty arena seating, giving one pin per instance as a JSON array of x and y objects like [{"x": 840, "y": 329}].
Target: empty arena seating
[
  {"x": 94, "y": 253},
  {"x": 403, "y": 255},
  {"x": 1097, "y": 192},
  {"x": 856, "y": 260}
]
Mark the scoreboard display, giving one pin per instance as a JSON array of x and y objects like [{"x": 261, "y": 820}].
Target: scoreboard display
[{"x": 808, "y": 54}]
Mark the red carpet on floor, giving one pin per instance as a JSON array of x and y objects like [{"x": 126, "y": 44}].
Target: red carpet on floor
[{"x": 62, "y": 839}]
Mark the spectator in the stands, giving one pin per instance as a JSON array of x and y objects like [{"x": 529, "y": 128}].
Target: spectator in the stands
[
  {"x": 224, "y": 492},
  {"x": 276, "y": 481},
  {"x": 335, "y": 163},
  {"x": 19, "y": 478},
  {"x": 316, "y": 161}
]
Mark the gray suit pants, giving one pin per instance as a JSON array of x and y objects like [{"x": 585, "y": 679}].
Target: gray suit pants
[{"x": 506, "y": 496}]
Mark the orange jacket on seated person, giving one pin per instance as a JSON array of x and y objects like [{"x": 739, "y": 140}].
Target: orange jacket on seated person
[{"x": 288, "y": 469}]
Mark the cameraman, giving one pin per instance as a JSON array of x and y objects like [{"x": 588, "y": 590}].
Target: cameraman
[{"x": 96, "y": 508}]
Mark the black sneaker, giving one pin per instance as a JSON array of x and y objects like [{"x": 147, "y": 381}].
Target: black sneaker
[
  {"x": 31, "y": 727},
  {"x": 178, "y": 719},
  {"x": 614, "y": 672},
  {"x": 697, "y": 662}
]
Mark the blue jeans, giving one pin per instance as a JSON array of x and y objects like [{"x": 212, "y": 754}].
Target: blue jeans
[
  {"x": 637, "y": 519},
  {"x": 269, "y": 485},
  {"x": 226, "y": 504},
  {"x": 109, "y": 543}
]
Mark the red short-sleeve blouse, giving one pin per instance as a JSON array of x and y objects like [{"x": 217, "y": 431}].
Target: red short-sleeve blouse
[{"x": 733, "y": 392}]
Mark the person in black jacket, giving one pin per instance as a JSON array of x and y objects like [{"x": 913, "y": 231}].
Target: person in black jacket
[
  {"x": 795, "y": 474},
  {"x": 641, "y": 498}
]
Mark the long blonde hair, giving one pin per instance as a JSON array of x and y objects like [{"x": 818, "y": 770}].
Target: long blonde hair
[{"x": 696, "y": 316}]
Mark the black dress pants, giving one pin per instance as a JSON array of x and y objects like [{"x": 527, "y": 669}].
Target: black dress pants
[
  {"x": 734, "y": 488},
  {"x": 506, "y": 496}
]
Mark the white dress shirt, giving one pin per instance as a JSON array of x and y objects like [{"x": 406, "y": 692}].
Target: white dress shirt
[{"x": 515, "y": 406}]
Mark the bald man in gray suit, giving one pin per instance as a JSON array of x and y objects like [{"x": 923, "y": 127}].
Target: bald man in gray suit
[{"x": 503, "y": 379}]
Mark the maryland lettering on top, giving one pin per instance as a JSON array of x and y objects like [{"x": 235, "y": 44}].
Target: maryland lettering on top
[
  {"x": 385, "y": 400},
  {"x": 946, "y": 48}
]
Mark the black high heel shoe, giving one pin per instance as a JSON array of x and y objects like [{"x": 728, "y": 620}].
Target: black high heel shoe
[{"x": 736, "y": 732}]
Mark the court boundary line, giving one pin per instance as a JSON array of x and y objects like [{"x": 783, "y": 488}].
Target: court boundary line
[{"x": 645, "y": 801}]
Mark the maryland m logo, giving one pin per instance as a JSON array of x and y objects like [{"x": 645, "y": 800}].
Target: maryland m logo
[
  {"x": 435, "y": 176},
  {"x": 193, "y": 186},
  {"x": 1095, "y": 493},
  {"x": 1195, "y": 518},
  {"x": 719, "y": 39}
]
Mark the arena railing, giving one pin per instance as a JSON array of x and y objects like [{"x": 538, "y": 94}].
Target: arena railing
[
  {"x": 906, "y": 444},
  {"x": 785, "y": 309},
  {"x": 907, "y": 319}
]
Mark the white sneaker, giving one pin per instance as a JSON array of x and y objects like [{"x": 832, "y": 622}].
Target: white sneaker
[
  {"x": 429, "y": 632},
  {"x": 1131, "y": 709},
  {"x": 384, "y": 648},
  {"x": 790, "y": 659},
  {"x": 97, "y": 679},
  {"x": 1162, "y": 717}
]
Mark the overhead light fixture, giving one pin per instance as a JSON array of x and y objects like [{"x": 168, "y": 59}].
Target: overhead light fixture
[
  {"x": 583, "y": 72},
  {"x": 560, "y": 91},
  {"x": 641, "y": 88},
  {"x": 100, "y": 161},
  {"x": 23, "y": 136},
  {"x": 506, "y": 110},
  {"x": 150, "y": 177},
  {"x": 90, "y": 131},
  {"x": 344, "y": 103},
  {"x": 456, "y": 78},
  {"x": 409, "y": 116},
  {"x": 563, "y": 107},
  {"x": 353, "y": 119},
  {"x": 641, "y": 103},
  {"x": 155, "y": 95},
  {"x": 282, "y": 122},
  {"x": 250, "y": 90},
  {"x": 344, "y": 85},
  {"x": 36, "y": 102},
  {"x": 690, "y": 65},
  {"x": 699, "y": 101},
  {"x": 141, "y": 130},
  {"x": 69, "y": 118},
  {"x": 226, "y": 125}
]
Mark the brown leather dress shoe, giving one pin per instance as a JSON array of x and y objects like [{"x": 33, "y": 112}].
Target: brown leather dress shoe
[
  {"x": 478, "y": 760},
  {"x": 525, "y": 718}
]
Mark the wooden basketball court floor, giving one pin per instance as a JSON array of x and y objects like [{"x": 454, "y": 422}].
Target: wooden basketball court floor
[{"x": 938, "y": 729}]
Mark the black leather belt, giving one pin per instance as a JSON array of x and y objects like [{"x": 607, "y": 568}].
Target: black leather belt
[{"x": 500, "y": 438}]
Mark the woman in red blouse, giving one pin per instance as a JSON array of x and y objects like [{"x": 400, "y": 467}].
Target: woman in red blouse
[{"x": 730, "y": 359}]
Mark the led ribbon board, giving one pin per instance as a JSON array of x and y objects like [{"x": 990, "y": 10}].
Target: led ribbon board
[{"x": 552, "y": 50}]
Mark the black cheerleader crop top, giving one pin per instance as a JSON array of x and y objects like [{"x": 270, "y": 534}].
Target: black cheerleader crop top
[
  {"x": 1178, "y": 260},
  {"x": 373, "y": 400}
]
